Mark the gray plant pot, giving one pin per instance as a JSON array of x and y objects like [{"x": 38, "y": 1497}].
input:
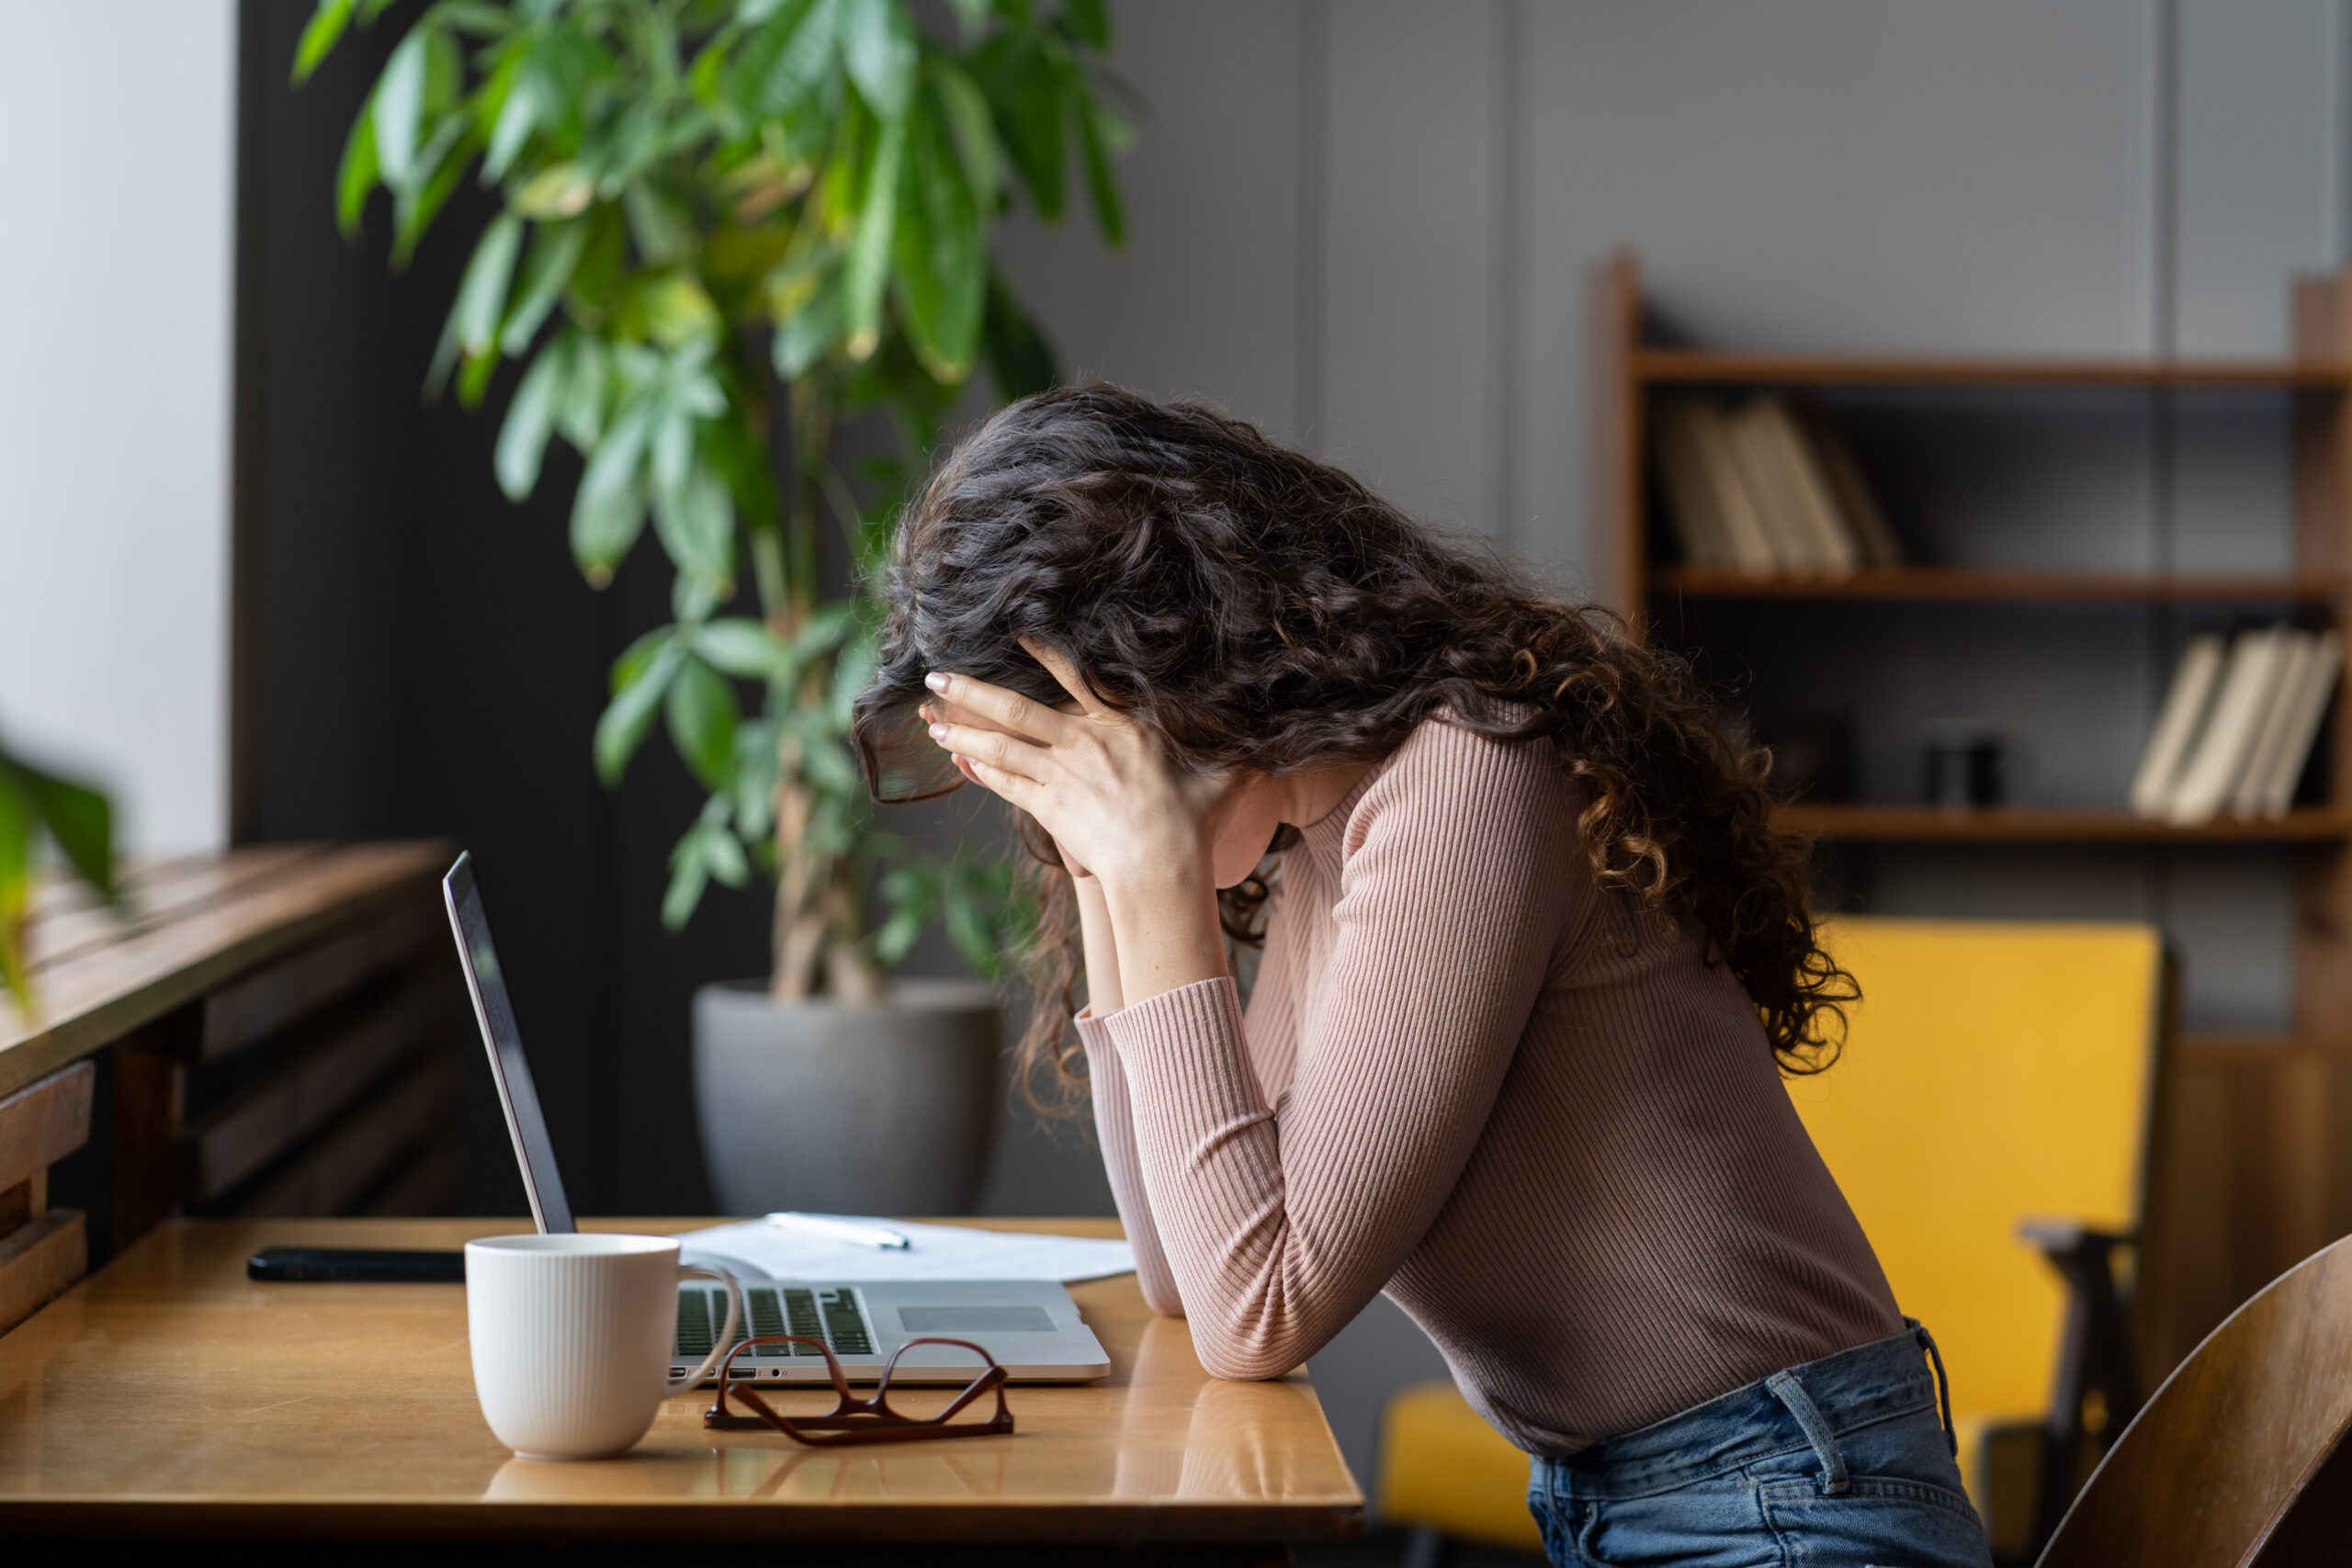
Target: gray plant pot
[{"x": 860, "y": 1108}]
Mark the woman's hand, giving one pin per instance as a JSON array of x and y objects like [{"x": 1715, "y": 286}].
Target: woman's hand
[
  {"x": 939, "y": 711},
  {"x": 1095, "y": 779},
  {"x": 1117, "y": 805}
]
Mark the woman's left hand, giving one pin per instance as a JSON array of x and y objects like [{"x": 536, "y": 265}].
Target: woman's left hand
[{"x": 1100, "y": 782}]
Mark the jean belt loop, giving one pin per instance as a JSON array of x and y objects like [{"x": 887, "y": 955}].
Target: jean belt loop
[
  {"x": 1943, "y": 1383},
  {"x": 1790, "y": 1392}
]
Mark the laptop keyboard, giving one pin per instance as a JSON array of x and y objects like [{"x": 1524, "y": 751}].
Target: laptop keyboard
[{"x": 819, "y": 1312}]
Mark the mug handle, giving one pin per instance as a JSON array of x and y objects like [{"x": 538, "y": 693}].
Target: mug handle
[{"x": 725, "y": 1340}]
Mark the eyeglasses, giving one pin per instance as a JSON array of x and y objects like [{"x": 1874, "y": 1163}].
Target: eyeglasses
[{"x": 856, "y": 1420}]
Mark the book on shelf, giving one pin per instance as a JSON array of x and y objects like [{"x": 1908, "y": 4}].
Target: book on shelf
[
  {"x": 2237, "y": 725},
  {"x": 2183, "y": 714},
  {"x": 1755, "y": 489}
]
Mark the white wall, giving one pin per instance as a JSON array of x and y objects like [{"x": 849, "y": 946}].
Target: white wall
[{"x": 117, "y": 202}]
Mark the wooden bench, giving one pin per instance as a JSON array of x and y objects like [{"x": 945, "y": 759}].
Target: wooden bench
[{"x": 272, "y": 1032}]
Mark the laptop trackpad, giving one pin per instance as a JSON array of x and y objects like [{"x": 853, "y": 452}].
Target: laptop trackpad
[{"x": 976, "y": 1320}]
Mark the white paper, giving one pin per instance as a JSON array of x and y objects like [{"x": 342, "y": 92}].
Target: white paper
[{"x": 938, "y": 1252}]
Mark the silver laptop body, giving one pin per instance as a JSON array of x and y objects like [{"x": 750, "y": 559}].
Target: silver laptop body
[{"x": 1031, "y": 1327}]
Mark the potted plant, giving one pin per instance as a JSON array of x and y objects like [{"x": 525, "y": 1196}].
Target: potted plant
[{"x": 720, "y": 219}]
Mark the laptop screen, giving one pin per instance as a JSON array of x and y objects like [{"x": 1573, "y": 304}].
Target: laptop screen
[{"x": 495, "y": 1012}]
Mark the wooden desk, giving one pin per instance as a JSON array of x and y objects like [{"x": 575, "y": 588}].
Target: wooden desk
[
  {"x": 274, "y": 1031},
  {"x": 168, "y": 1395}
]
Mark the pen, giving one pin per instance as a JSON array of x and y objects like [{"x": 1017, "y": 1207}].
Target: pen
[{"x": 840, "y": 1230}]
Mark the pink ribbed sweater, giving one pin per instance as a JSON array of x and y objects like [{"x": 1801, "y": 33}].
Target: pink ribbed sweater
[{"x": 1470, "y": 1077}]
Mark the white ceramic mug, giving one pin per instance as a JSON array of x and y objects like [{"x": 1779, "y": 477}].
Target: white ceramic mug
[{"x": 571, "y": 1338}]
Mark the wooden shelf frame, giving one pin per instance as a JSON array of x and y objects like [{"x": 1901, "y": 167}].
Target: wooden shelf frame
[
  {"x": 1994, "y": 586},
  {"x": 1685, "y": 368},
  {"x": 2053, "y": 825}
]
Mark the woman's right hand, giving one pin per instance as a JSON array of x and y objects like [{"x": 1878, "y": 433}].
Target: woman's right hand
[{"x": 939, "y": 710}]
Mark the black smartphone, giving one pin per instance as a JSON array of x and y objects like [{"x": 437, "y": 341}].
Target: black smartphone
[{"x": 354, "y": 1265}]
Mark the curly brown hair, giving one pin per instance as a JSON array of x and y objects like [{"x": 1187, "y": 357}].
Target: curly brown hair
[{"x": 1260, "y": 609}]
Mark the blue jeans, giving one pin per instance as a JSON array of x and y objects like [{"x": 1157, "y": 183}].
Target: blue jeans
[{"x": 1842, "y": 1461}]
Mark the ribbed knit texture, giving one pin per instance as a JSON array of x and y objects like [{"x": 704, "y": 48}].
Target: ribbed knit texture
[{"x": 1472, "y": 1078}]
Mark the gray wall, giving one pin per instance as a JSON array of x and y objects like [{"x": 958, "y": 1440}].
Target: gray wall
[{"x": 1370, "y": 225}]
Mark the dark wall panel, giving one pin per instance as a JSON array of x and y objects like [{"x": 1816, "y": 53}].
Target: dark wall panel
[{"x": 414, "y": 655}]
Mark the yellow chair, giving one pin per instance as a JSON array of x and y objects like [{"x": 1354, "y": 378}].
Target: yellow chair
[{"x": 1995, "y": 1075}]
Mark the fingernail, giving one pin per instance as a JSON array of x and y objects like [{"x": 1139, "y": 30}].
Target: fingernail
[
  {"x": 936, "y": 681},
  {"x": 938, "y": 731}
]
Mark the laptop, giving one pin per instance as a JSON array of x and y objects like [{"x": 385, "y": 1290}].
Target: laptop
[{"x": 1031, "y": 1327}]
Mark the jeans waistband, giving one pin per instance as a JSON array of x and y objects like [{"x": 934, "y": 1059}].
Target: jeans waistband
[{"x": 1849, "y": 1389}]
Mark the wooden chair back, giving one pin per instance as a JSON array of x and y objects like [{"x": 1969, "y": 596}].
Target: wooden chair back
[{"x": 2239, "y": 1459}]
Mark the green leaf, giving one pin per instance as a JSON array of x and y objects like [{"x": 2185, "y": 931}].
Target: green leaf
[
  {"x": 724, "y": 855},
  {"x": 689, "y": 874},
  {"x": 787, "y": 57},
  {"x": 416, "y": 206},
  {"x": 400, "y": 106},
  {"x": 740, "y": 646},
  {"x": 676, "y": 310},
  {"x": 968, "y": 929},
  {"x": 637, "y": 655},
  {"x": 702, "y": 714},
  {"x": 824, "y": 630},
  {"x": 318, "y": 36},
  {"x": 972, "y": 14},
  {"x": 629, "y": 717},
  {"x": 880, "y": 49},
  {"x": 546, "y": 268},
  {"x": 1026, "y": 93},
  {"x": 804, "y": 335},
  {"x": 473, "y": 381},
  {"x": 1095, "y": 133},
  {"x": 16, "y": 874},
  {"x": 610, "y": 508},
  {"x": 1090, "y": 22},
  {"x": 559, "y": 190},
  {"x": 517, "y": 118},
  {"x": 696, "y": 522},
  {"x": 673, "y": 447},
  {"x": 756, "y": 768},
  {"x": 662, "y": 229},
  {"x": 867, "y": 268},
  {"x": 356, "y": 175},
  {"x": 1021, "y": 361},
  {"x": 580, "y": 408},
  {"x": 79, "y": 820},
  {"x": 942, "y": 266},
  {"x": 530, "y": 420},
  {"x": 967, "y": 120},
  {"x": 481, "y": 294},
  {"x": 895, "y": 937}
]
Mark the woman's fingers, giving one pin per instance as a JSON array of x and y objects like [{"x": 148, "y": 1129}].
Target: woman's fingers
[
  {"x": 1010, "y": 787},
  {"x": 939, "y": 710},
  {"x": 1008, "y": 752},
  {"x": 1063, "y": 671},
  {"x": 994, "y": 703}
]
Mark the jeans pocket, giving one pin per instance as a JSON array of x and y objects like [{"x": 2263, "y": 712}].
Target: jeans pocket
[{"x": 1877, "y": 1519}]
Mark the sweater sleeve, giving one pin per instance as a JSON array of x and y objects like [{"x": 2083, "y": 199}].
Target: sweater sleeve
[
  {"x": 1114, "y": 1130},
  {"x": 1278, "y": 1230}
]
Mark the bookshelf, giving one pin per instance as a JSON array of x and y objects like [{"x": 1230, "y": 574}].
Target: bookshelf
[
  {"x": 2260, "y": 1126},
  {"x": 1641, "y": 577}
]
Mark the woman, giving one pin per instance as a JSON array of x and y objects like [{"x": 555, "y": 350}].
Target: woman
[{"x": 1533, "y": 959}]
